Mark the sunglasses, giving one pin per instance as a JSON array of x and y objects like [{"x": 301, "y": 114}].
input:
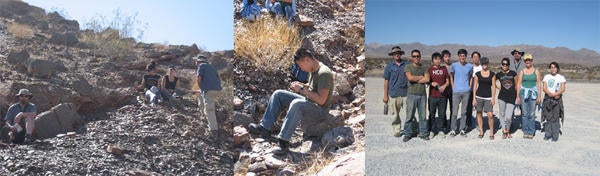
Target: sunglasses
[
  {"x": 505, "y": 64},
  {"x": 23, "y": 95},
  {"x": 416, "y": 56}
]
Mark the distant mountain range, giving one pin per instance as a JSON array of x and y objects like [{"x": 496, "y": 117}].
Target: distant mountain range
[{"x": 541, "y": 54}]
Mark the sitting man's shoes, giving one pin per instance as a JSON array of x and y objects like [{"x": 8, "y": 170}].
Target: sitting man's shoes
[
  {"x": 258, "y": 129},
  {"x": 28, "y": 139},
  {"x": 282, "y": 147}
]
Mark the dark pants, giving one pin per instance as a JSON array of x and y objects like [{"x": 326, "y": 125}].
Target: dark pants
[
  {"x": 469, "y": 116},
  {"x": 552, "y": 130},
  {"x": 439, "y": 105}
]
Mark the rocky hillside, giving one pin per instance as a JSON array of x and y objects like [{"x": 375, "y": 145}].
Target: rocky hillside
[
  {"x": 334, "y": 30},
  {"x": 51, "y": 56},
  {"x": 541, "y": 54}
]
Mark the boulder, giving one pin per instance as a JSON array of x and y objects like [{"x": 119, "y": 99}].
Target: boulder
[
  {"x": 352, "y": 164},
  {"x": 342, "y": 85},
  {"x": 44, "y": 68},
  {"x": 338, "y": 137},
  {"x": 68, "y": 39},
  {"x": 59, "y": 119},
  {"x": 257, "y": 167},
  {"x": 314, "y": 128},
  {"x": 305, "y": 21},
  {"x": 18, "y": 57}
]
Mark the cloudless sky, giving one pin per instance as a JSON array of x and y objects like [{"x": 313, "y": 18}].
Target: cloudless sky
[
  {"x": 207, "y": 23},
  {"x": 574, "y": 24}
]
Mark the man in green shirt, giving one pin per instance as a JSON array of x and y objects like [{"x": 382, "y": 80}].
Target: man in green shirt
[
  {"x": 417, "y": 76},
  {"x": 308, "y": 103}
]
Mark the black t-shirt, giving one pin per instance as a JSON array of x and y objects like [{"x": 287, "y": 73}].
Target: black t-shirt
[
  {"x": 484, "y": 89},
  {"x": 508, "y": 92},
  {"x": 151, "y": 81},
  {"x": 169, "y": 84}
]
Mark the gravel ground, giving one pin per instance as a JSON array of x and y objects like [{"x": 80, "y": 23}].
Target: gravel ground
[{"x": 577, "y": 151}]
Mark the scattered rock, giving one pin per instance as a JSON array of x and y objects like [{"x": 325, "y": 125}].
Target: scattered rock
[
  {"x": 112, "y": 149},
  {"x": 305, "y": 21},
  {"x": 240, "y": 136},
  {"x": 360, "y": 119},
  {"x": 257, "y": 167},
  {"x": 238, "y": 103},
  {"x": 349, "y": 165},
  {"x": 273, "y": 163}
]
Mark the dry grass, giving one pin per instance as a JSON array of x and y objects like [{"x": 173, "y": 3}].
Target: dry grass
[
  {"x": 316, "y": 162},
  {"x": 108, "y": 43},
  {"x": 20, "y": 31},
  {"x": 269, "y": 43}
]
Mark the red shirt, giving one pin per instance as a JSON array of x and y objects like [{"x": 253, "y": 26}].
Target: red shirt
[{"x": 438, "y": 75}]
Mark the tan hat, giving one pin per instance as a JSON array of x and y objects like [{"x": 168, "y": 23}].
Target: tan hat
[
  {"x": 528, "y": 57},
  {"x": 24, "y": 92},
  {"x": 200, "y": 58},
  {"x": 396, "y": 49}
]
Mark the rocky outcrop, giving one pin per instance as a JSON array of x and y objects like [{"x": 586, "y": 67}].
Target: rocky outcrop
[{"x": 60, "y": 119}]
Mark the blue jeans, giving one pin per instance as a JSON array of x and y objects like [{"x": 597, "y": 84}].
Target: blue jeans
[
  {"x": 299, "y": 108},
  {"x": 283, "y": 9},
  {"x": 528, "y": 119},
  {"x": 415, "y": 103}
]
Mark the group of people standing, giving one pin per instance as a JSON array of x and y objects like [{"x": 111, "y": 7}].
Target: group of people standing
[{"x": 470, "y": 85}]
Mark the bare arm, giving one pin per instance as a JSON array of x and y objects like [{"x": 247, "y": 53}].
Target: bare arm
[
  {"x": 545, "y": 88},
  {"x": 493, "y": 90},
  {"x": 539, "y": 84},
  {"x": 163, "y": 83},
  {"x": 475, "y": 85},
  {"x": 141, "y": 86},
  {"x": 319, "y": 97},
  {"x": 424, "y": 79},
  {"x": 412, "y": 78},
  {"x": 518, "y": 87},
  {"x": 562, "y": 90},
  {"x": 386, "y": 84}
]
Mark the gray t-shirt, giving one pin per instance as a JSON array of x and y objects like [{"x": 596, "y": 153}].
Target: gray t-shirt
[
  {"x": 210, "y": 77},
  {"x": 516, "y": 66},
  {"x": 15, "y": 109}
]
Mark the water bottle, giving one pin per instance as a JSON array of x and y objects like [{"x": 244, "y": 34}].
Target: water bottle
[{"x": 385, "y": 109}]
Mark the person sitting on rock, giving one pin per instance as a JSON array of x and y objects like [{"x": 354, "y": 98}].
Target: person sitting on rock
[
  {"x": 286, "y": 8},
  {"x": 209, "y": 84},
  {"x": 19, "y": 115},
  {"x": 150, "y": 84},
  {"x": 250, "y": 10},
  {"x": 308, "y": 103},
  {"x": 168, "y": 85}
]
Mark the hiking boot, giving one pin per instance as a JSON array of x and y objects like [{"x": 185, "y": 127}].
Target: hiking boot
[
  {"x": 281, "y": 148},
  {"x": 259, "y": 130},
  {"x": 406, "y": 138}
]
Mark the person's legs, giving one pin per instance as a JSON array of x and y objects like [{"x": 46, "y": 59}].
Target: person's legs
[
  {"x": 306, "y": 112},
  {"x": 469, "y": 112},
  {"x": 276, "y": 8},
  {"x": 30, "y": 125},
  {"x": 464, "y": 103},
  {"x": 453, "y": 119},
  {"x": 397, "y": 122},
  {"x": 501, "y": 114},
  {"x": 411, "y": 108},
  {"x": 433, "y": 107},
  {"x": 528, "y": 121},
  {"x": 479, "y": 107},
  {"x": 421, "y": 101},
  {"x": 150, "y": 96},
  {"x": 279, "y": 99},
  {"x": 441, "y": 119},
  {"x": 508, "y": 117},
  {"x": 209, "y": 109},
  {"x": 289, "y": 13}
]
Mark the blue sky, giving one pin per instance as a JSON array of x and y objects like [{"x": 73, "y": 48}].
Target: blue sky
[
  {"x": 574, "y": 24},
  {"x": 209, "y": 24}
]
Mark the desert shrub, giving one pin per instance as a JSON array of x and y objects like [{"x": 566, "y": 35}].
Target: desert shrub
[
  {"x": 20, "y": 31},
  {"x": 114, "y": 37},
  {"x": 269, "y": 43}
]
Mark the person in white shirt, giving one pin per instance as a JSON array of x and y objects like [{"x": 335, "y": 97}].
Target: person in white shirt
[{"x": 552, "y": 107}]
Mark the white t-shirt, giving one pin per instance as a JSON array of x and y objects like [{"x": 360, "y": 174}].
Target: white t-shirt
[
  {"x": 476, "y": 69},
  {"x": 554, "y": 82}
]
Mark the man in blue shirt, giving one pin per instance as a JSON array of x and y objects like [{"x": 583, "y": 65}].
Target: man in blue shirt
[
  {"x": 395, "y": 88},
  {"x": 210, "y": 87},
  {"x": 19, "y": 115},
  {"x": 461, "y": 87}
]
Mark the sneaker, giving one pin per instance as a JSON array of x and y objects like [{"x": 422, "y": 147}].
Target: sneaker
[
  {"x": 442, "y": 135},
  {"x": 405, "y": 139},
  {"x": 462, "y": 133},
  {"x": 431, "y": 135},
  {"x": 398, "y": 133},
  {"x": 282, "y": 147},
  {"x": 452, "y": 133},
  {"x": 258, "y": 130},
  {"x": 547, "y": 138},
  {"x": 425, "y": 138}
]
